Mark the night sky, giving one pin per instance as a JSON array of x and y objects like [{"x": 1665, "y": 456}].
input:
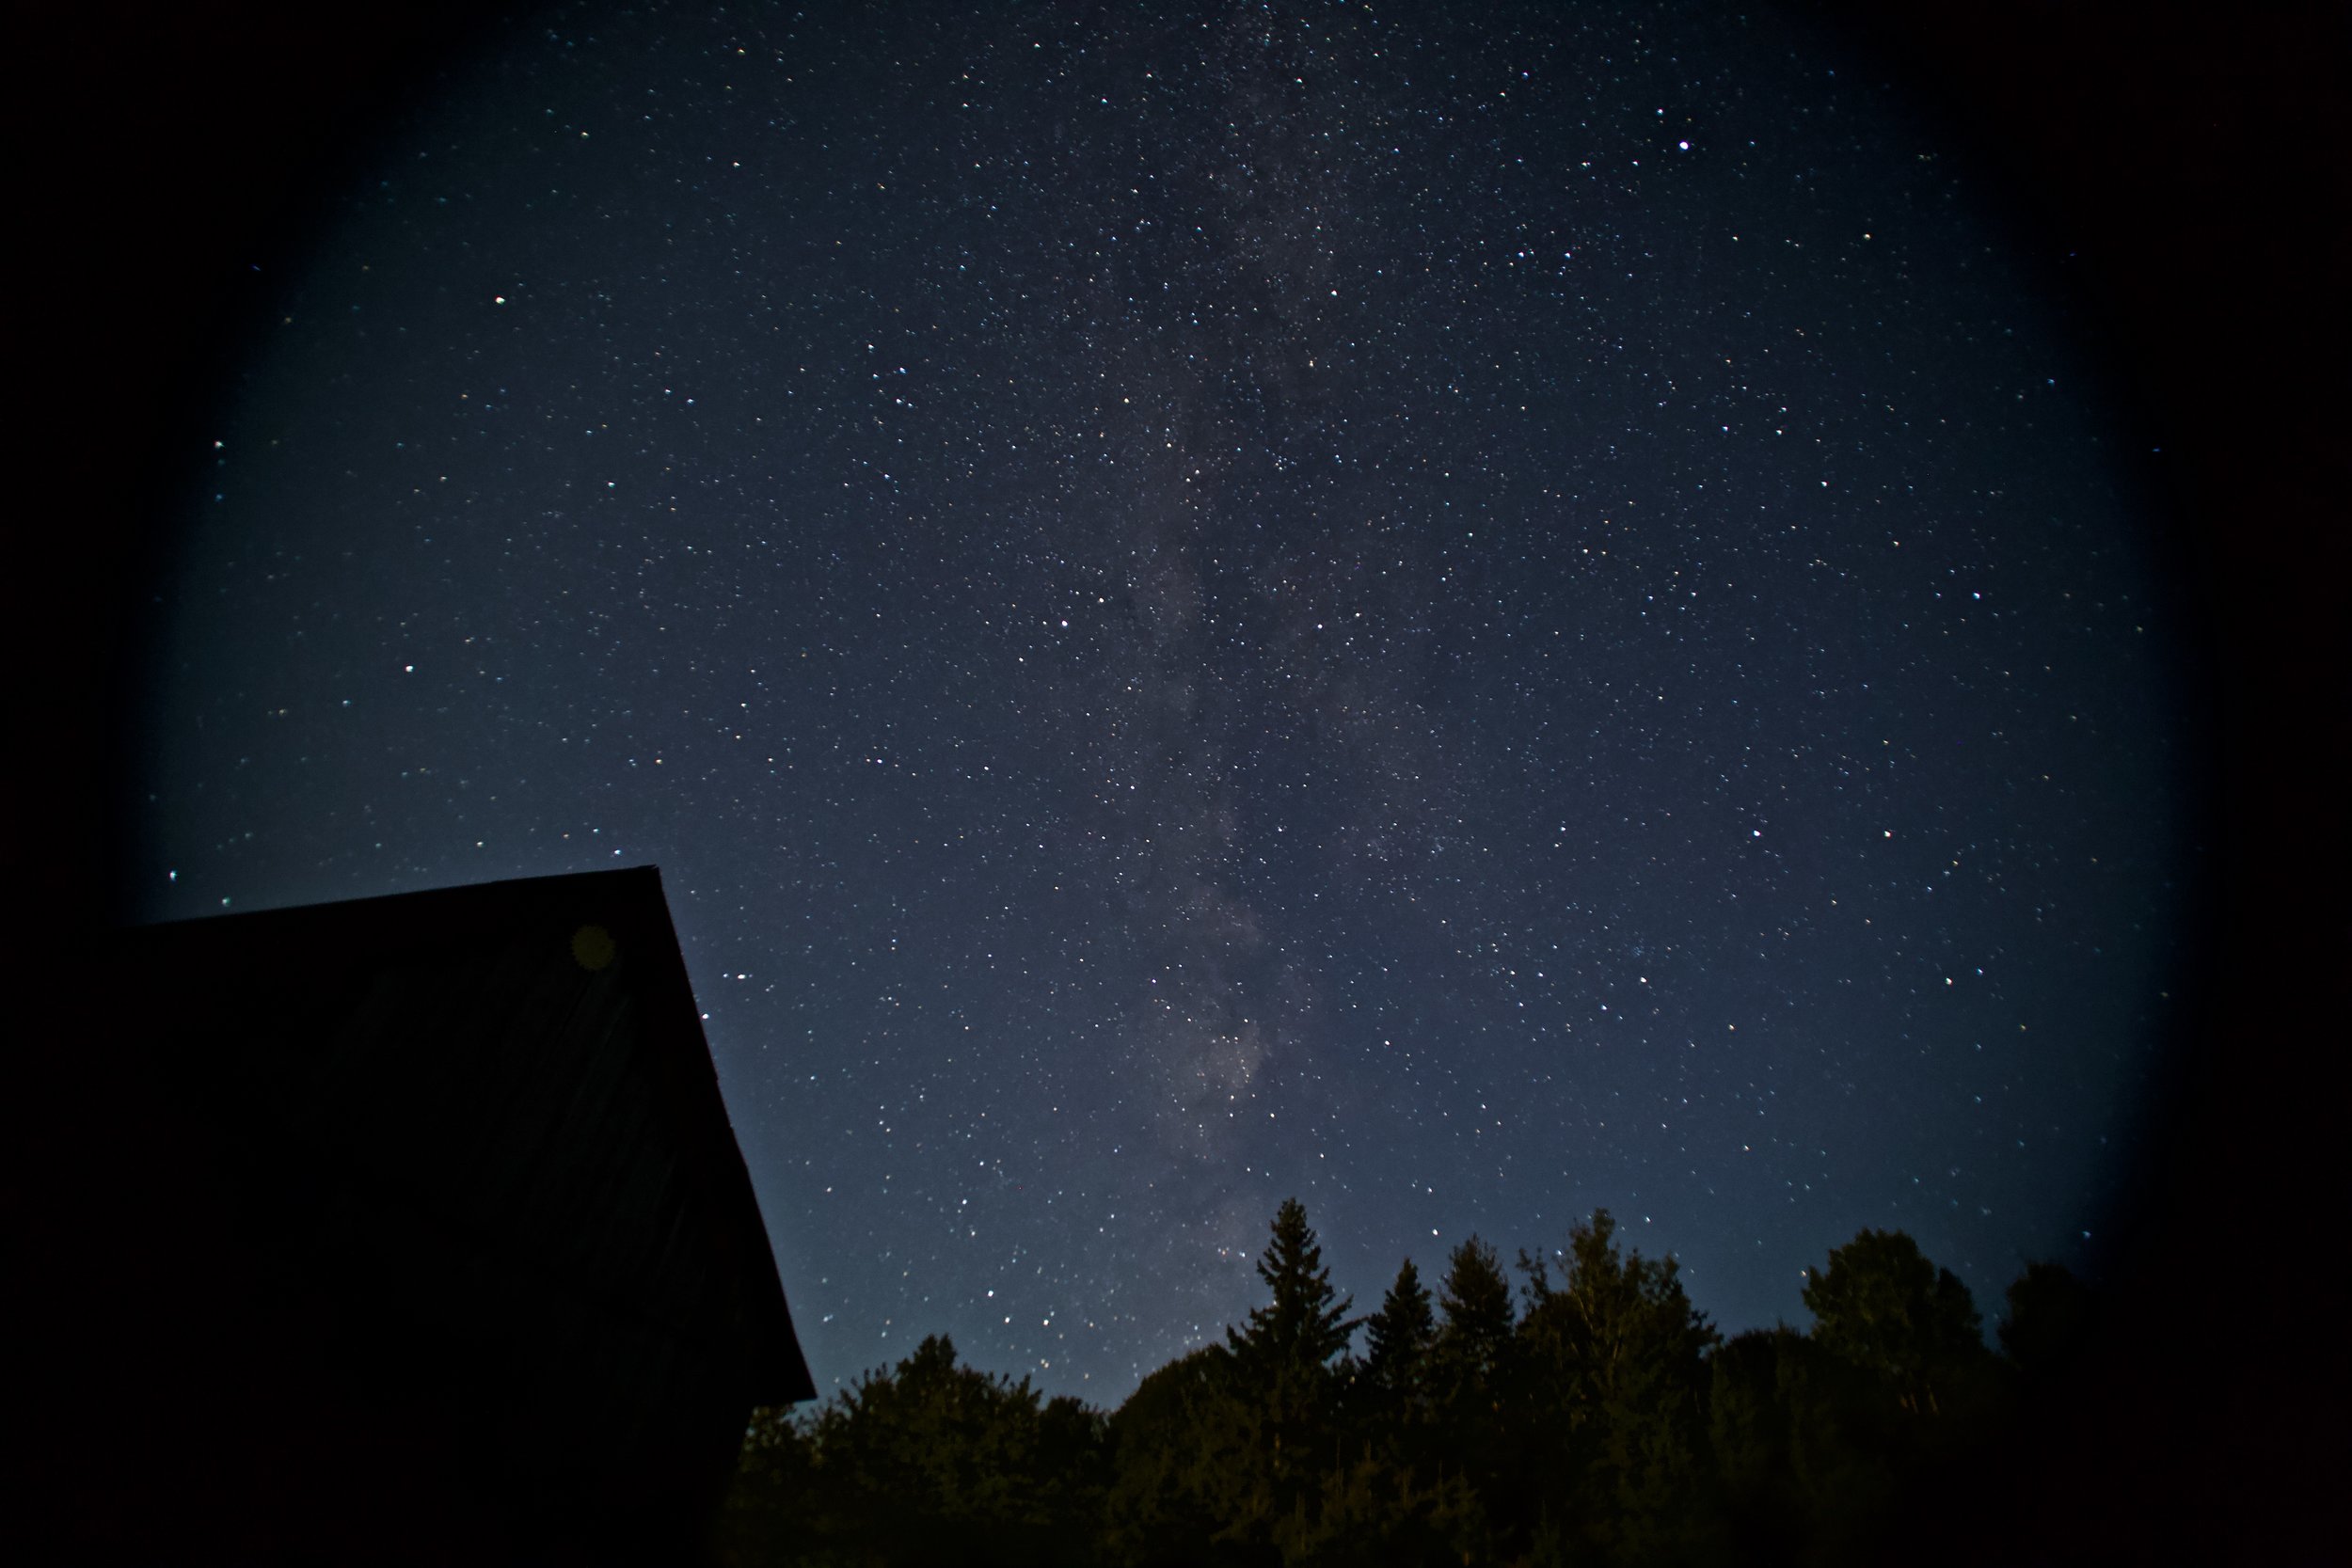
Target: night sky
[{"x": 1468, "y": 614}]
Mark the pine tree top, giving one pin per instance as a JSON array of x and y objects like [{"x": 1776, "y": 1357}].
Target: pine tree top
[
  {"x": 1401, "y": 1330},
  {"x": 1307, "y": 1321}
]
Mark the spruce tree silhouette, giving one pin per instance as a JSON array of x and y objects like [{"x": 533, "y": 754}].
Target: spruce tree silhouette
[
  {"x": 1286, "y": 1385},
  {"x": 1306, "y": 1324},
  {"x": 1397, "y": 1340},
  {"x": 1468, "y": 1374},
  {"x": 1476, "y": 1300}
]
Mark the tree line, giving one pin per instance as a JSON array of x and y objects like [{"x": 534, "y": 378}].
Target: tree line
[{"x": 1590, "y": 1416}]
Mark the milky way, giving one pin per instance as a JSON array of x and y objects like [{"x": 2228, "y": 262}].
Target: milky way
[{"x": 1466, "y": 615}]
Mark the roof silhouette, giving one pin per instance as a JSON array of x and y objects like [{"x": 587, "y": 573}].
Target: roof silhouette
[{"x": 467, "y": 1178}]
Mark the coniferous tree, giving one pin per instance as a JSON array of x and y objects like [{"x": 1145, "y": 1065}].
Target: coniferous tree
[
  {"x": 1394, "y": 1494},
  {"x": 1398, "y": 1336},
  {"x": 1476, "y": 1301},
  {"x": 1469, "y": 1371},
  {"x": 1286, "y": 1386},
  {"x": 1306, "y": 1324},
  {"x": 1391, "y": 1452}
]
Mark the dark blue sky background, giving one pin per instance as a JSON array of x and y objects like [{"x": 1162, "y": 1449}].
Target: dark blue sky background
[{"x": 1467, "y": 616}]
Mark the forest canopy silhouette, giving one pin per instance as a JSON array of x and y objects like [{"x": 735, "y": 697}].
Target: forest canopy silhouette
[{"x": 1584, "y": 1412}]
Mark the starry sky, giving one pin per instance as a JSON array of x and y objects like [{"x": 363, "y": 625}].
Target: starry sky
[{"x": 1464, "y": 612}]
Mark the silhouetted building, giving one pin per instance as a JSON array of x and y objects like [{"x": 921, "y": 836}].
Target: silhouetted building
[{"x": 409, "y": 1228}]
